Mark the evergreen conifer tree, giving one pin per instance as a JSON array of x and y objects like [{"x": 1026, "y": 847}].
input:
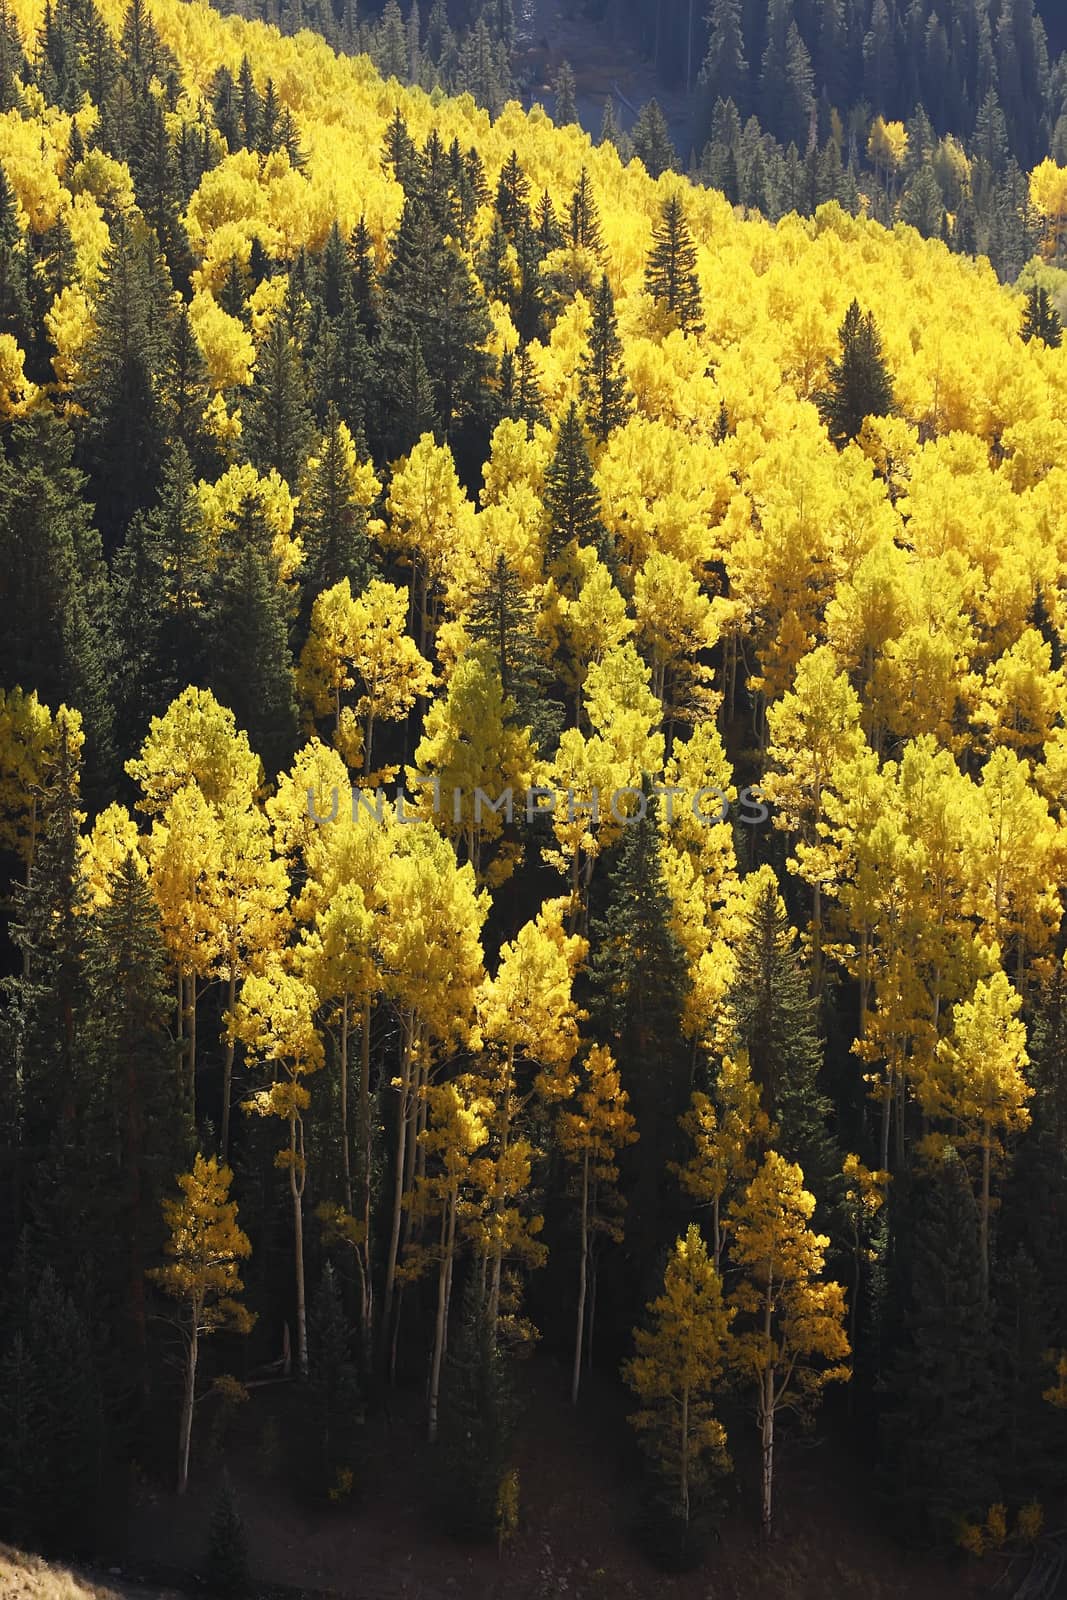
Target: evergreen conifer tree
[
  {"x": 475, "y": 1423},
  {"x": 1041, "y": 320},
  {"x": 939, "y": 1423},
  {"x": 671, "y": 270},
  {"x": 859, "y": 385},
  {"x": 604, "y": 388}
]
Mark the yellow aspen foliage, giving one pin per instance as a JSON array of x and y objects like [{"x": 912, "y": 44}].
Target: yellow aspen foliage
[
  {"x": 591, "y": 1137},
  {"x": 976, "y": 1084},
  {"x": 1048, "y": 196},
  {"x": 204, "y": 1247},
  {"x": 274, "y": 1019},
  {"x": 313, "y": 793},
  {"x": 582, "y": 628},
  {"x": 195, "y": 741},
  {"x": 17, "y": 393},
  {"x": 28, "y": 749},
  {"x": 676, "y": 1375},
  {"x": 815, "y": 738},
  {"x": 728, "y": 1129},
  {"x": 528, "y": 1031},
  {"x": 675, "y": 623},
  {"x": 429, "y": 519},
  {"x": 789, "y": 1341},
  {"x": 240, "y": 491},
  {"x": 447, "y": 1193},
  {"x": 361, "y": 644},
  {"x": 225, "y": 343},
  {"x": 113, "y": 838},
  {"x": 480, "y": 762}
]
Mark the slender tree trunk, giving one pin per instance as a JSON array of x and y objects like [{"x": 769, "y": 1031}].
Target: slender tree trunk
[
  {"x": 887, "y": 1111},
  {"x": 444, "y": 1272},
  {"x": 400, "y": 1162},
  {"x": 984, "y": 1218},
  {"x": 346, "y": 1162},
  {"x": 365, "y": 1175},
  {"x": 716, "y": 1235},
  {"x": 498, "y": 1245},
  {"x": 296, "y": 1189},
  {"x": 685, "y": 1455},
  {"x": 227, "y": 1068},
  {"x": 767, "y": 1438},
  {"x": 583, "y": 1273},
  {"x": 190, "y": 1007},
  {"x": 767, "y": 1419},
  {"x": 185, "y": 1432}
]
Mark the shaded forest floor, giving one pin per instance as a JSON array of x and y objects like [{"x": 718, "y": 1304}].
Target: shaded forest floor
[{"x": 577, "y": 1509}]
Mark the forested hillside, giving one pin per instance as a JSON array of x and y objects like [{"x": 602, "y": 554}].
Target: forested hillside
[{"x": 533, "y": 798}]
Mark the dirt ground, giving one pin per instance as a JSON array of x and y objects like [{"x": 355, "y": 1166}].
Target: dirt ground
[{"x": 575, "y": 1537}]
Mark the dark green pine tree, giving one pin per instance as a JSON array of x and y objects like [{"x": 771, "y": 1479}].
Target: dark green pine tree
[
  {"x": 185, "y": 394},
  {"x": 134, "y": 1131},
  {"x": 364, "y": 277},
  {"x": 226, "y": 1557},
  {"x": 520, "y": 393},
  {"x": 432, "y": 296},
  {"x": 550, "y": 234},
  {"x": 400, "y": 153},
  {"x": 53, "y": 584},
  {"x": 859, "y": 385},
  {"x": 333, "y": 525},
  {"x": 342, "y": 367},
  {"x": 159, "y": 579},
  {"x": 605, "y": 391},
  {"x": 512, "y": 193},
  {"x": 51, "y": 1427},
  {"x": 774, "y": 1016},
  {"x": 48, "y": 1002},
  {"x": 564, "y": 90},
  {"x": 224, "y": 105},
  {"x": 571, "y": 500},
  {"x": 939, "y": 1422},
  {"x": 333, "y": 1404},
  {"x": 1041, "y": 320},
  {"x": 652, "y": 141},
  {"x": 13, "y": 62},
  {"x": 233, "y": 295},
  {"x": 124, "y": 441},
  {"x": 583, "y": 217},
  {"x": 725, "y": 71},
  {"x": 639, "y": 978},
  {"x": 251, "y": 668},
  {"x": 671, "y": 270},
  {"x": 154, "y": 168},
  {"x": 493, "y": 267},
  {"x": 502, "y": 615},
  {"x": 476, "y": 1423},
  {"x": 528, "y": 299},
  {"x": 249, "y": 107},
  {"x": 278, "y": 418},
  {"x": 15, "y": 315}
]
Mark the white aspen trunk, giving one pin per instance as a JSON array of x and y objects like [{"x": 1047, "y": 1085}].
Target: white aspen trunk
[
  {"x": 296, "y": 1188},
  {"x": 227, "y": 1068},
  {"x": 583, "y": 1274},
  {"x": 401, "y": 1162},
  {"x": 346, "y": 1160},
  {"x": 448, "y": 1242},
  {"x": 185, "y": 1431}
]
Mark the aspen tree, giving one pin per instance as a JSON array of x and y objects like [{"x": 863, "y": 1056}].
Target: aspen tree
[
  {"x": 679, "y": 1363},
  {"x": 275, "y": 1021},
  {"x": 591, "y": 1137},
  {"x": 789, "y": 1341},
  {"x": 202, "y": 1274}
]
